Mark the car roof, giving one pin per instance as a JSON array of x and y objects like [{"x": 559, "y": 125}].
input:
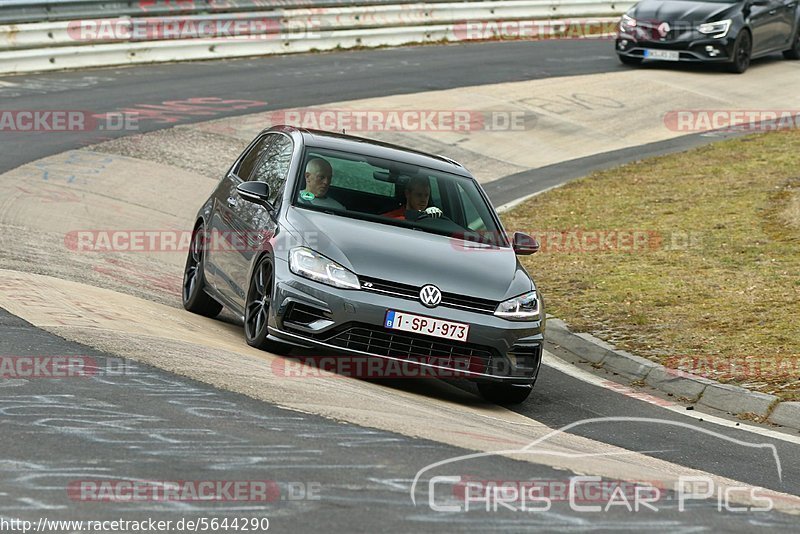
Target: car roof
[{"x": 370, "y": 147}]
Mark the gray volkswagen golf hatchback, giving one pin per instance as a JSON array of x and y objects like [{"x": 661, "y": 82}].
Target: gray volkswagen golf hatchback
[{"x": 364, "y": 249}]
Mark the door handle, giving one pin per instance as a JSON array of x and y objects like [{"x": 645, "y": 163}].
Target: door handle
[
  {"x": 232, "y": 202},
  {"x": 773, "y": 11}
]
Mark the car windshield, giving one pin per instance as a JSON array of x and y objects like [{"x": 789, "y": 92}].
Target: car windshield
[{"x": 396, "y": 193}]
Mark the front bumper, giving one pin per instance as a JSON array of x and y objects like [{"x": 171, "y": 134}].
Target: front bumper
[
  {"x": 351, "y": 322},
  {"x": 691, "y": 47}
]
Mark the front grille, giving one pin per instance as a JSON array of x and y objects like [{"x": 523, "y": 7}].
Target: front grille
[
  {"x": 404, "y": 345},
  {"x": 410, "y": 292},
  {"x": 651, "y": 31}
]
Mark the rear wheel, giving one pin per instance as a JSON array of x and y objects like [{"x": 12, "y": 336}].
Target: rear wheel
[
  {"x": 256, "y": 311},
  {"x": 504, "y": 393},
  {"x": 194, "y": 297},
  {"x": 741, "y": 52},
  {"x": 630, "y": 61},
  {"x": 794, "y": 51}
]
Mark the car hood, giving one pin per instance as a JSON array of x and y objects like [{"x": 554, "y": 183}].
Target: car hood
[
  {"x": 412, "y": 257},
  {"x": 677, "y": 10}
]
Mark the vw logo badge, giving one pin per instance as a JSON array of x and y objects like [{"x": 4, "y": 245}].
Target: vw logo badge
[{"x": 430, "y": 296}]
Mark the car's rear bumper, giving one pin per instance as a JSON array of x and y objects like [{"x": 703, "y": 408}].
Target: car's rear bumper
[{"x": 351, "y": 323}]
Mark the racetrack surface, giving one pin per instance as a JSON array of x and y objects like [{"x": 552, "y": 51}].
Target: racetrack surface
[{"x": 145, "y": 287}]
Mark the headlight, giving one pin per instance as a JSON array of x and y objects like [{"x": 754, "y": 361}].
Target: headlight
[
  {"x": 718, "y": 29},
  {"x": 627, "y": 23},
  {"x": 522, "y": 308},
  {"x": 305, "y": 262}
]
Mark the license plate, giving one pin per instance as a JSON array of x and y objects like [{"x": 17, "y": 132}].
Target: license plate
[
  {"x": 665, "y": 55},
  {"x": 427, "y": 326}
]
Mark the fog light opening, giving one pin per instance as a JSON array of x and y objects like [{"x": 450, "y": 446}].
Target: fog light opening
[{"x": 712, "y": 50}]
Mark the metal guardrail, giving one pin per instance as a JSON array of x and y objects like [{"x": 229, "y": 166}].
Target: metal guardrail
[
  {"x": 278, "y": 23},
  {"x": 26, "y": 11},
  {"x": 108, "y": 41}
]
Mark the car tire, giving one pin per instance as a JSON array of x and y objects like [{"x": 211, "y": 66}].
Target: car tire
[
  {"x": 256, "y": 308},
  {"x": 794, "y": 51},
  {"x": 504, "y": 394},
  {"x": 194, "y": 297},
  {"x": 630, "y": 61},
  {"x": 742, "y": 50}
]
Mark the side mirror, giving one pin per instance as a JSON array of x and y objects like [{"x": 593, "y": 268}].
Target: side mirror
[
  {"x": 524, "y": 244},
  {"x": 255, "y": 192}
]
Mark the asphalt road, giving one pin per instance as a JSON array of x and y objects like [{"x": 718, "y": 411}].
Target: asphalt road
[
  {"x": 129, "y": 422},
  {"x": 280, "y": 82},
  {"x": 167, "y": 427}
]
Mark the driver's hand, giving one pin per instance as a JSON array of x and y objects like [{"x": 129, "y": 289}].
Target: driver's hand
[{"x": 434, "y": 212}]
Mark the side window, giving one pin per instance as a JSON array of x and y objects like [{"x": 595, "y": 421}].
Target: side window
[
  {"x": 475, "y": 221},
  {"x": 273, "y": 168},
  {"x": 245, "y": 167}
]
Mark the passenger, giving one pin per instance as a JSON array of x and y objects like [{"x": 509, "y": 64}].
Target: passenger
[
  {"x": 418, "y": 194},
  {"x": 318, "y": 180}
]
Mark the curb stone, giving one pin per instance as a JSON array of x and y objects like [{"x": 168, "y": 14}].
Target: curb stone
[
  {"x": 678, "y": 383},
  {"x": 786, "y": 414},
  {"x": 703, "y": 391},
  {"x": 735, "y": 399}
]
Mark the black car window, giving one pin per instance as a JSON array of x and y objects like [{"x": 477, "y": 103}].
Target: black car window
[
  {"x": 373, "y": 189},
  {"x": 273, "y": 167},
  {"x": 248, "y": 162}
]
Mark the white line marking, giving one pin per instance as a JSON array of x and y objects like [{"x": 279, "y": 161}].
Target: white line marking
[
  {"x": 514, "y": 203},
  {"x": 585, "y": 376}
]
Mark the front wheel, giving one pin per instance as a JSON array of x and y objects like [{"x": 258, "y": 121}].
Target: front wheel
[
  {"x": 504, "y": 393},
  {"x": 256, "y": 311},
  {"x": 794, "y": 51},
  {"x": 741, "y": 52}
]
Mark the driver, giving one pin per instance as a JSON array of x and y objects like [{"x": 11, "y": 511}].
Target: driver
[
  {"x": 318, "y": 181},
  {"x": 418, "y": 194}
]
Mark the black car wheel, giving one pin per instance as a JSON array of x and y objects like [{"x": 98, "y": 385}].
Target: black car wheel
[
  {"x": 631, "y": 61},
  {"x": 256, "y": 311},
  {"x": 504, "y": 393},
  {"x": 741, "y": 52},
  {"x": 195, "y": 299},
  {"x": 794, "y": 51}
]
